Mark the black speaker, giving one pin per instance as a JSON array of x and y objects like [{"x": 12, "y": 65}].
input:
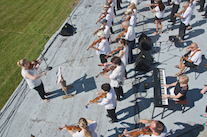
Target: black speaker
[
  {"x": 144, "y": 42},
  {"x": 143, "y": 61},
  {"x": 67, "y": 30}
]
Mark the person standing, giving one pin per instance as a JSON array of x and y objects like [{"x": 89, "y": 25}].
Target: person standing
[
  {"x": 185, "y": 20},
  {"x": 109, "y": 102},
  {"x": 160, "y": 10},
  {"x": 32, "y": 77},
  {"x": 176, "y": 6},
  {"x": 116, "y": 77}
]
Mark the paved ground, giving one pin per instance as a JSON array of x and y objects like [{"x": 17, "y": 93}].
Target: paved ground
[{"x": 25, "y": 113}]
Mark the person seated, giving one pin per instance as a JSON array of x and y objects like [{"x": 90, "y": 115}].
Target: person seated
[
  {"x": 157, "y": 127},
  {"x": 192, "y": 58},
  {"x": 86, "y": 130},
  {"x": 180, "y": 89}
]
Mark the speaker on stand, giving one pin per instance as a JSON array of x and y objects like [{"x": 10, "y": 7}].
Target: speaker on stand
[
  {"x": 67, "y": 30},
  {"x": 144, "y": 42}
]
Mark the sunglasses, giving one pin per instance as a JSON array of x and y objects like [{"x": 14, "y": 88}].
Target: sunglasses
[{"x": 152, "y": 129}]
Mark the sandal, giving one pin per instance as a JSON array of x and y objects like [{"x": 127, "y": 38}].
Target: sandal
[
  {"x": 176, "y": 66},
  {"x": 178, "y": 74},
  {"x": 156, "y": 33},
  {"x": 203, "y": 115}
]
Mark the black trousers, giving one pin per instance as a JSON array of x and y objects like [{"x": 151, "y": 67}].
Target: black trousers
[
  {"x": 40, "y": 89},
  {"x": 119, "y": 92},
  {"x": 205, "y": 14},
  {"x": 111, "y": 30},
  {"x": 102, "y": 58},
  {"x": 114, "y": 11},
  {"x": 118, "y": 6},
  {"x": 173, "y": 11},
  {"x": 202, "y": 2},
  {"x": 182, "y": 29},
  {"x": 130, "y": 55},
  {"x": 112, "y": 114}
]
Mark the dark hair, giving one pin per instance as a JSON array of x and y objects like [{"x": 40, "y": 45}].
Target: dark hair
[
  {"x": 161, "y": 5},
  {"x": 122, "y": 41},
  {"x": 159, "y": 127},
  {"x": 106, "y": 87},
  {"x": 116, "y": 60}
]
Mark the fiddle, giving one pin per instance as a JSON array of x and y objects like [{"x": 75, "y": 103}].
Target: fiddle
[
  {"x": 97, "y": 98},
  {"x": 107, "y": 70},
  {"x": 101, "y": 18},
  {"x": 114, "y": 51},
  {"x": 98, "y": 30},
  {"x": 33, "y": 63},
  {"x": 76, "y": 128},
  {"x": 121, "y": 34},
  {"x": 136, "y": 132},
  {"x": 93, "y": 44}
]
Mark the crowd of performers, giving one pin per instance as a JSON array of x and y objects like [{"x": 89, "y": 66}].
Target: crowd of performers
[{"x": 113, "y": 92}]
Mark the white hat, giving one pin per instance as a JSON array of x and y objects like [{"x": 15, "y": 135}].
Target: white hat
[
  {"x": 106, "y": 5},
  {"x": 129, "y": 11},
  {"x": 101, "y": 34}
]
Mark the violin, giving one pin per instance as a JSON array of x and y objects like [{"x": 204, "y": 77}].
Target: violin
[
  {"x": 101, "y": 18},
  {"x": 121, "y": 34},
  {"x": 136, "y": 132},
  {"x": 97, "y": 98},
  {"x": 98, "y": 30},
  {"x": 33, "y": 63},
  {"x": 76, "y": 128},
  {"x": 128, "y": 18},
  {"x": 114, "y": 51},
  {"x": 93, "y": 44},
  {"x": 107, "y": 70}
]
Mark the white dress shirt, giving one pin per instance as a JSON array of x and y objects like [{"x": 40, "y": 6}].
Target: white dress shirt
[
  {"x": 103, "y": 47},
  {"x": 124, "y": 58},
  {"x": 132, "y": 21},
  {"x": 130, "y": 34},
  {"x": 187, "y": 16},
  {"x": 117, "y": 76},
  {"x": 110, "y": 101}
]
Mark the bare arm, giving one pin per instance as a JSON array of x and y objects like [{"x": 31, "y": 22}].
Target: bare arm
[
  {"x": 170, "y": 85},
  {"x": 30, "y": 76},
  {"x": 172, "y": 96},
  {"x": 144, "y": 121},
  {"x": 121, "y": 53}
]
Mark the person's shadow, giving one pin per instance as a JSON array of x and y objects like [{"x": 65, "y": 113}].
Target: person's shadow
[{"x": 188, "y": 130}]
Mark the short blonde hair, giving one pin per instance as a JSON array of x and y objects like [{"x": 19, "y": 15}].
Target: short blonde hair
[
  {"x": 101, "y": 34},
  {"x": 184, "y": 79},
  {"x": 21, "y": 63}
]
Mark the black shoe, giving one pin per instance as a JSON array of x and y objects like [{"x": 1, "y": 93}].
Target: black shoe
[
  {"x": 203, "y": 15},
  {"x": 113, "y": 121},
  {"x": 199, "y": 10},
  {"x": 107, "y": 115},
  {"x": 173, "y": 23},
  {"x": 169, "y": 21}
]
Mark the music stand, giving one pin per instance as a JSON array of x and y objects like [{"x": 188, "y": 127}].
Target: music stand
[
  {"x": 173, "y": 39},
  {"x": 63, "y": 83}
]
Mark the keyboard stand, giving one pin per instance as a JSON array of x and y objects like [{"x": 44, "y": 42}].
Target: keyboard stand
[{"x": 162, "y": 111}]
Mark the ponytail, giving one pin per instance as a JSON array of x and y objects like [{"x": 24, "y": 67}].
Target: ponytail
[{"x": 84, "y": 125}]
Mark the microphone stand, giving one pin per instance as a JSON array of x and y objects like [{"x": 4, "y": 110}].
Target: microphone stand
[{"x": 48, "y": 68}]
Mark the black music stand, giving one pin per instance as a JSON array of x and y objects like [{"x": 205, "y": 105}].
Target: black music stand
[{"x": 173, "y": 39}]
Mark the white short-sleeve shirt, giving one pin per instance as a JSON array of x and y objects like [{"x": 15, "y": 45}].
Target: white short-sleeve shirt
[
  {"x": 187, "y": 16},
  {"x": 159, "y": 14},
  {"x": 117, "y": 76},
  {"x": 103, "y": 47},
  {"x": 130, "y": 34},
  {"x": 196, "y": 58}
]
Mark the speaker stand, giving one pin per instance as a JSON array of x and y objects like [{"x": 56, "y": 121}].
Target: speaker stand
[{"x": 157, "y": 62}]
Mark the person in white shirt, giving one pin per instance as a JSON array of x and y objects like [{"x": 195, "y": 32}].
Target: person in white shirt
[
  {"x": 176, "y": 6},
  {"x": 185, "y": 20},
  {"x": 130, "y": 37},
  {"x": 132, "y": 6},
  {"x": 116, "y": 77},
  {"x": 157, "y": 127},
  {"x": 106, "y": 29},
  {"x": 86, "y": 130},
  {"x": 132, "y": 20},
  {"x": 103, "y": 46},
  {"x": 109, "y": 102},
  {"x": 123, "y": 54},
  {"x": 160, "y": 10},
  {"x": 109, "y": 16},
  {"x": 32, "y": 77},
  {"x": 192, "y": 60}
]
